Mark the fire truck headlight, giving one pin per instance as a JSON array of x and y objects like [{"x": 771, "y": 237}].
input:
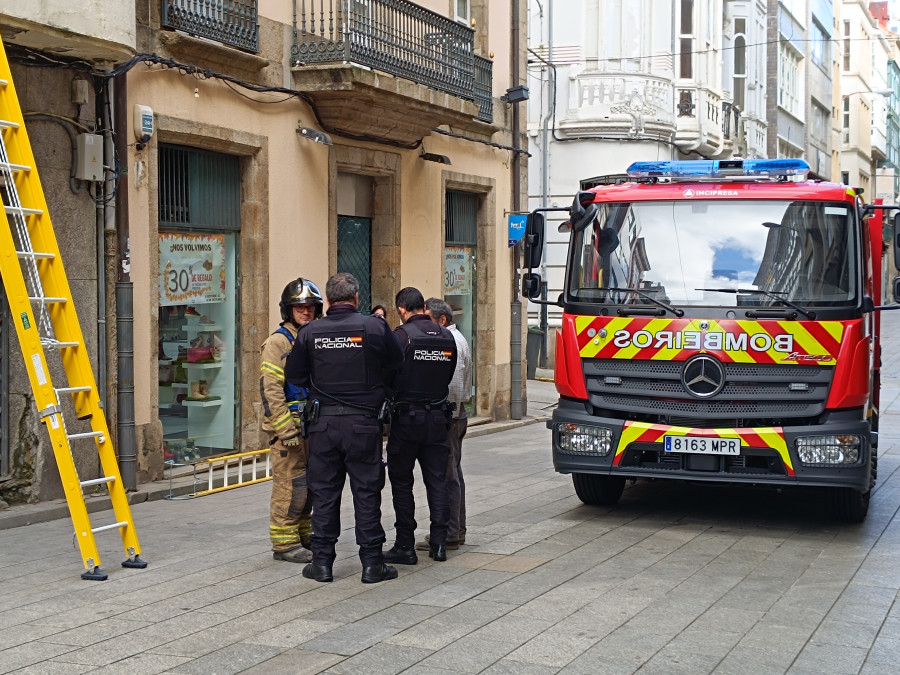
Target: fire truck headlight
[
  {"x": 828, "y": 450},
  {"x": 576, "y": 439}
]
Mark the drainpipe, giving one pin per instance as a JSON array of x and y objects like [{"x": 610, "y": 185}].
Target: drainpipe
[
  {"x": 117, "y": 227},
  {"x": 100, "y": 220},
  {"x": 516, "y": 405},
  {"x": 545, "y": 176}
]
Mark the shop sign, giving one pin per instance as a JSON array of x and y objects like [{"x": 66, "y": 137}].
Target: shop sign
[
  {"x": 191, "y": 269},
  {"x": 457, "y": 271},
  {"x": 516, "y": 227}
]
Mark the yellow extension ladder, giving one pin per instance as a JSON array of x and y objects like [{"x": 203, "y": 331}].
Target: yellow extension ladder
[{"x": 43, "y": 312}]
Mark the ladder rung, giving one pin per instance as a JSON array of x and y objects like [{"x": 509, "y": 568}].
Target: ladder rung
[
  {"x": 87, "y": 434},
  {"x": 53, "y": 344},
  {"x": 34, "y": 254},
  {"x": 45, "y": 298},
  {"x": 9, "y": 125},
  {"x": 63, "y": 390},
  {"x": 23, "y": 210},
  {"x": 98, "y": 481},
  {"x": 109, "y": 527},
  {"x": 15, "y": 167},
  {"x": 3, "y": 83}
]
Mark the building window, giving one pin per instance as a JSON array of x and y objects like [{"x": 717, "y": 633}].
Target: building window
[
  {"x": 819, "y": 127},
  {"x": 846, "y": 45},
  {"x": 686, "y": 40},
  {"x": 462, "y": 11},
  {"x": 789, "y": 80},
  {"x": 845, "y": 121},
  {"x": 740, "y": 63},
  {"x": 788, "y": 150},
  {"x": 819, "y": 48}
]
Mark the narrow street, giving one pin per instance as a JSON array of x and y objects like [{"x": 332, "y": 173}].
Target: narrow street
[{"x": 674, "y": 579}]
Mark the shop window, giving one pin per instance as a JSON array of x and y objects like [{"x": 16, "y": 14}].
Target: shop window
[
  {"x": 199, "y": 211},
  {"x": 461, "y": 237}
]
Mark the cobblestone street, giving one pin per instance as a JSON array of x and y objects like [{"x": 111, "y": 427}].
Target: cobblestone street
[{"x": 674, "y": 579}]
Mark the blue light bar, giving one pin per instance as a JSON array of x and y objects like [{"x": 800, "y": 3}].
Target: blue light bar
[{"x": 719, "y": 168}]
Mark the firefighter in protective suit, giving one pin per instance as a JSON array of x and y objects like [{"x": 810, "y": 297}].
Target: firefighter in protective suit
[{"x": 289, "y": 511}]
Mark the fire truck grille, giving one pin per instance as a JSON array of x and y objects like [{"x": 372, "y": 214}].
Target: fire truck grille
[
  {"x": 752, "y": 393},
  {"x": 751, "y": 461}
]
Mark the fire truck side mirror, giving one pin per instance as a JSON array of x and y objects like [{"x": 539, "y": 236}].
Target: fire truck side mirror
[
  {"x": 531, "y": 285},
  {"x": 534, "y": 240},
  {"x": 897, "y": 290}
]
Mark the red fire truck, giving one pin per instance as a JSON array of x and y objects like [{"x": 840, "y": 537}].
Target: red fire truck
[{"x": 720, "y": 324}]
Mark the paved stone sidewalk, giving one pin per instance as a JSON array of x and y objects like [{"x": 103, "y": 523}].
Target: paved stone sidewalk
[{"x": 674, "y": 579}]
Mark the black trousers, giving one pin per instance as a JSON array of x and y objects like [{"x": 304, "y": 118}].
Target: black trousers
[
  {"x": 419, "y": 436},
  {"x": 340, "y": 446}
]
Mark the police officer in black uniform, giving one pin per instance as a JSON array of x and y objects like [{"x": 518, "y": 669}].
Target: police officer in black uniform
[
  {"x": 342, "y": 359},
  {"x": 419, "y": 427}
]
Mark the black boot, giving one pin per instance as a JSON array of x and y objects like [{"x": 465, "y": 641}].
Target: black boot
[
  {"x": 375, "y": 573},
  {"x": 401, "y": 555},
  {"x": 318, "y": 572},
  {"x": 438, "y": 552}
]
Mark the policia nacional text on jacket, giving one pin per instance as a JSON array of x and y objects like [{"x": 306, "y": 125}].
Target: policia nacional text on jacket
[{"x": 342, "y": 359}]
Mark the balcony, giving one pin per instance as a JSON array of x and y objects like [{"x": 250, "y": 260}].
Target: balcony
[
  {"x": 104, "y": 32},
  {"x": 232, "y": 22},
  {"x": 754, "y": 137},
  {"x": 699, "y": 123},
  {"x": 388, "y": 69},
  {"x": 613, "y": 104}
]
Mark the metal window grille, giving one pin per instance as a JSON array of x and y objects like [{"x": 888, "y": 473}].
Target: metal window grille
[
  {"x": 462, "y": 218},
  {"x": 199, "y": 189},
  {"x": 354, "y": 254}
]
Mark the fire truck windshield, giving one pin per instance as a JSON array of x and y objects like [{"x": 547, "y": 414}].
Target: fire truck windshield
[{"x": 685, "y": 252}]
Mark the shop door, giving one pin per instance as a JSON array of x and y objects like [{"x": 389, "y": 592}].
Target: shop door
[
  {"x": 461, "y": 238},
  {"x": 354, "y": 255},
  {"x": 199, "y": 318}
]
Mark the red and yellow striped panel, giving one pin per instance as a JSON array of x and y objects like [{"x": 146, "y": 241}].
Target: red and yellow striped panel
[
  {"x": 759, "y": 437},
  {"x": 774, "y": 342}
]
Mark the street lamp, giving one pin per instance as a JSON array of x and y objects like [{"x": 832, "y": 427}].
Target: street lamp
[{"x": 876, "y": 92}]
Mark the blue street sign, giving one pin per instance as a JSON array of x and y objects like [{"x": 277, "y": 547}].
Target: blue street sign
[{"x": 516, "y": 228}]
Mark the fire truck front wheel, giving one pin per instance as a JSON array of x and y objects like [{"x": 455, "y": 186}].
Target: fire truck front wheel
[
  {"x": 597, "y": 490},
  {"x": 848, "y": 505}
]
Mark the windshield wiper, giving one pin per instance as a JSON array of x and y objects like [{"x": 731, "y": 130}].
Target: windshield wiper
[
  {"x": 769, "y": 294},
  {"x": 659, "y": 303}
]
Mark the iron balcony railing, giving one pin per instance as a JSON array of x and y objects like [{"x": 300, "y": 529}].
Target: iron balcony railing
[
  {"x": 394, "y": 36},
  {"x": 231, "y": 22}
]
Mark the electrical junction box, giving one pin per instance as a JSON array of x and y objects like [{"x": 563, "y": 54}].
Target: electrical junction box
[{"x": 89, "y": 165}]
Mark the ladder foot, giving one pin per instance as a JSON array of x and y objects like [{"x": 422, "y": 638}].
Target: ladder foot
[
  {"x": 95, "y": 575},
  {"x": 135, "y": 563}
]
